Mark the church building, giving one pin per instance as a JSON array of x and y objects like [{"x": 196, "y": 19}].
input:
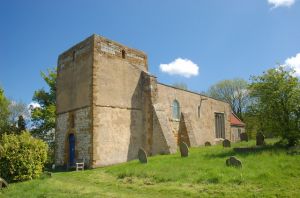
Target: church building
[{"x": 109, "y": 106}]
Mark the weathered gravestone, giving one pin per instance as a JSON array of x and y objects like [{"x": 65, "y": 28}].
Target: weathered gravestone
[
  {"x": 244, "y": 137},
  {"x": 207, "y": 144},
  {"x": 142, "y": 155},
  {"x": 233, "y": 161},
  {"x": 260, "y": 139},
  {"x": 3, "y": 183},
  {"x": 184, "y": 149},
  {"x": 295, "y": 150},
  {"x": 226, "y": 143}
]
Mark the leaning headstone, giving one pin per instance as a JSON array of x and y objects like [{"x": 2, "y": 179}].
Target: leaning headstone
[
  {"x": 244, "y": 137},
  {"x": 184, "y": 149},
  {"x": 233, "y": 161},
  {"x": 207, "y": 144},
  {"x": 226, "y": 143},
  {"x": 260, "y": 139},
  {"x": 142, "y": 155},
  {"x": 3, "y": 183},
  {"x": 295, "y": 150}
]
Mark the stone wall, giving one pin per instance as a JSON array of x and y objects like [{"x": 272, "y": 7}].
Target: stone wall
[
  {"x": 118, "y": 123},
  {"x": 81, "y": 130},
  {"x": 74, "y": 77},
  {"x": 61, "y": 132},
  {"x": 203, "y": 122}
]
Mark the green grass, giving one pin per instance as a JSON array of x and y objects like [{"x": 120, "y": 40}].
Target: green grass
[{"x": 267, "y": 173}]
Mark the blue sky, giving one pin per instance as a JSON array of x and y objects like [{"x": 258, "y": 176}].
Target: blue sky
[{"x": 223, "y": 39}]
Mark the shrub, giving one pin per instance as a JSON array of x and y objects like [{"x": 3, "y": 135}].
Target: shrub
[{"x": 22, "y": 157}]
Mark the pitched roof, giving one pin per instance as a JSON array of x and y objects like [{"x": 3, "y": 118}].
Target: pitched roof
[{"x": 235, "y": 121}]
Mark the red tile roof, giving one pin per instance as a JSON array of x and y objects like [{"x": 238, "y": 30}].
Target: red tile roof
[{"x": 235, "y": 121}]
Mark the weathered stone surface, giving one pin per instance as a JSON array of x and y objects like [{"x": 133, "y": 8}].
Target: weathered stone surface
[
  {"x": 233, "y": 161},
  {"x": 207, "y": 144},
  {"x": 260, "y": 139},
  {"x": 244, "y": 137},
  {"x": 184, "y": 149},
  {"x": 226, "y": 143},
  {"x": 3, "y": 183},
  {"x": 142, "y": 155},
  {"x": 81, "y": 130}
]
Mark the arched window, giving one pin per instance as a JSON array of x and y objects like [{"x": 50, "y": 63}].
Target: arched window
[{"x": 176, "y": 110}]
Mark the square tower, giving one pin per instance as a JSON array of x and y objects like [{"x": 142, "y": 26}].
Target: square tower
[{"x": 99, "y": 103}]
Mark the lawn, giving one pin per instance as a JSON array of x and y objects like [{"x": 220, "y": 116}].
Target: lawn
[{"x": 267, "y": 173}]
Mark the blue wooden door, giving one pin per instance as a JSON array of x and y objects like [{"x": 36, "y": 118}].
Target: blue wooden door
[{"x": 72, "y": 149}]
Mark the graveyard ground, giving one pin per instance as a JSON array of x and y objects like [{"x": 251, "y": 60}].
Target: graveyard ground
[{"x": 267, "y": 173}]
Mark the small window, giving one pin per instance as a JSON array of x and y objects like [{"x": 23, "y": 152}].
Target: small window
[
  {"x": 199, "y": 111},
  {"x": 123, "y": 54},
  {"x": 176, "y": 110},
  {"x": 73, "y": 56},
  {"x": 72, "y": 121}
]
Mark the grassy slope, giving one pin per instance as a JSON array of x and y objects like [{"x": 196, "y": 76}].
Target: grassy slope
[{"x": 270, "y": 173}]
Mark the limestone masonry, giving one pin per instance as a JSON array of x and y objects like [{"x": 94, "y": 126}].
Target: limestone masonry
[{"x": 109, "y": 106}]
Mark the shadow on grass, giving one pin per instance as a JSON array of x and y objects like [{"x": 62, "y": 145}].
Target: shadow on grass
[{"x": 246, "y": 151}]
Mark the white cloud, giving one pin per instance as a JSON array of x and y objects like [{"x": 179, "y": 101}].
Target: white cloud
[
  {"x": 182, "y": 67},
  {"x": 281, "y": 3},
  {"x": 294, "y": 63},
  {"x": 33, "y": 105}
]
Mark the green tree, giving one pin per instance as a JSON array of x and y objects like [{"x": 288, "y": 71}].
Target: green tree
[
  {"x": 22, "y": 157},
  {"x": 43, "y": 117},
  {"x": 232, "y": 91},
  {"x": 275, "y": 98},
  {"x": 4, "y": 112},
  {"x": 16, "y": 109}
]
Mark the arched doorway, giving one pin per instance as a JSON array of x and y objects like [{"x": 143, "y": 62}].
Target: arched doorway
[{"x": 72, "y": 149}]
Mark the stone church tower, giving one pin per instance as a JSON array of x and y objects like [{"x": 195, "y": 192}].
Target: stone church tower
[{"x": 109, "y": 106}]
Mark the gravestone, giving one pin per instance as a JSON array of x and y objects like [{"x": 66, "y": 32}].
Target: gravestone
[
  {"x": 260, "y": 139},
  {"x": 226, "y": 143},
  {"x": 233, "y": 161},
  {"x": 142, "y": 155},
  {"x": 3, "y": 183},
  {"x": 294, "y": 150},
  {"x": 184, "y": 149},
  {"x": 207, "y": 144},
  {"x": 244, "y": 137}
]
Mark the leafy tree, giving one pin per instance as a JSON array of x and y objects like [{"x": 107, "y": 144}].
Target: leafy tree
[
  {"x": 16, "y": 109},
  {"x": 4, "y": 112},
  {"x": 43, "y": 117},
  {"x": 180, "y": 85},
  {"x": 275, "y": 97},
  {"x": 232, "y": 91},
  {"x": 22, "y": 157}
]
